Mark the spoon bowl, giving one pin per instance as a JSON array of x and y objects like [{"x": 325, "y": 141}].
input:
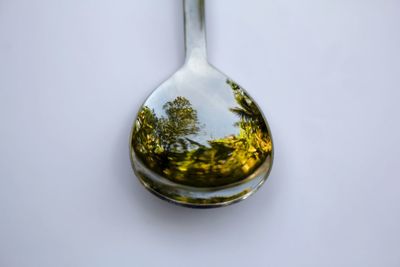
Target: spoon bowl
[{"x": 200, "y": 140}]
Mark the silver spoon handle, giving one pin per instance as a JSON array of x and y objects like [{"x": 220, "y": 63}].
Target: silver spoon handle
[{"x": 195, "y": 32}]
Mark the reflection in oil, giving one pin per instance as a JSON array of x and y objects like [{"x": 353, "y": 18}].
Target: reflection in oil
[{"x": 171, "y": 143}]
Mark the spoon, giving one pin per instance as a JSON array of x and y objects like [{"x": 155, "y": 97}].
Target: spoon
[{"x": 199, "y": 140}]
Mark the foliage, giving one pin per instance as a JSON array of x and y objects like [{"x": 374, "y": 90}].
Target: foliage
[
  {"x": 181, "y": 121},
  {"x": 164, "y": 143}
]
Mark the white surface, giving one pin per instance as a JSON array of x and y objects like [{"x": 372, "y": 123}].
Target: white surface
[{"x": 73, "y": 74}]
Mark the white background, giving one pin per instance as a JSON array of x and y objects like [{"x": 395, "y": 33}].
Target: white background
[{"x": 73, "y": 74}]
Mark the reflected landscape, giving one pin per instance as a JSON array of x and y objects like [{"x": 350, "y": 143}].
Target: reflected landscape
[{"x": 179, "y": 142}]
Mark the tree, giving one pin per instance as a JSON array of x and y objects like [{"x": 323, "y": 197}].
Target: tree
[
  {"x": 181, "y": 122},
  {"x": 248, "y": 111},
  {"x": 146, "y": 125}
]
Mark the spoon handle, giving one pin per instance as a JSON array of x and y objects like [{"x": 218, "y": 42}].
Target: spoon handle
[{"x": 195, "y": 33}]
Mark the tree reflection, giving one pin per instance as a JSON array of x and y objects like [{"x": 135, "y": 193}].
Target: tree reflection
[
  {"x": 166, "y": 145},
  {"x": 181, "y": 121}
]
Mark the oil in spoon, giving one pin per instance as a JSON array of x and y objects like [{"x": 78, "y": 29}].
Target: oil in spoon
[{"x": 200, "y": 140}]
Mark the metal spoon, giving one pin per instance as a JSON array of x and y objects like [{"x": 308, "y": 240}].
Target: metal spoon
[{"x": 200, "y": 140}]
